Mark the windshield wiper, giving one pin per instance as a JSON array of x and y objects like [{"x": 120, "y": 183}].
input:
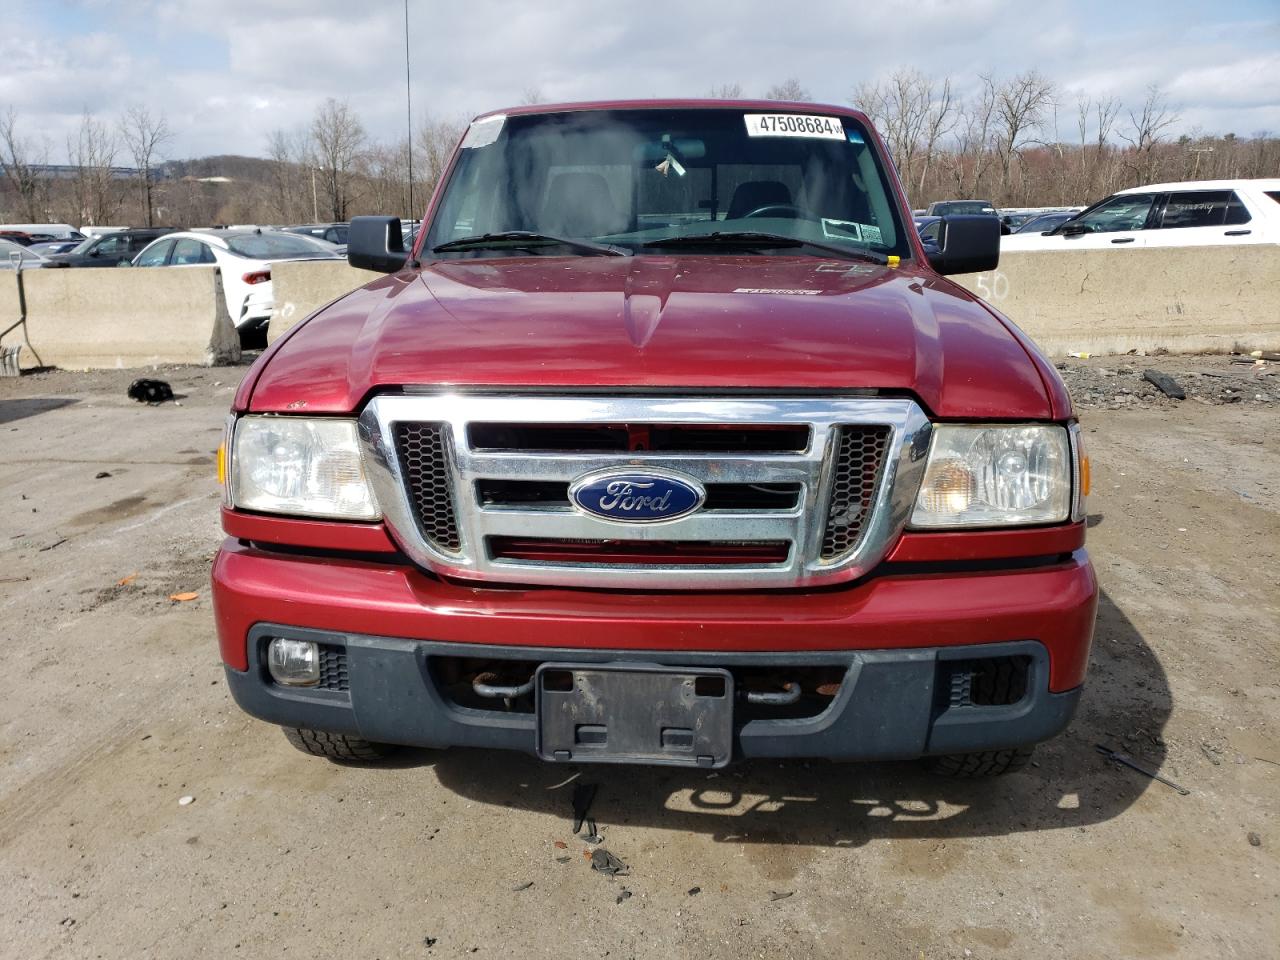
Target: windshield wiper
[
  {"x": 519, "y": 238},
  {"x": 751, "y": 238}
]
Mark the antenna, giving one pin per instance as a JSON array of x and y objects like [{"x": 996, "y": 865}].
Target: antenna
[{"x": 408, "y": 104}]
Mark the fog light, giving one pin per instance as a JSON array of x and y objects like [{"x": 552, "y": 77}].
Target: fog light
[{"x": 294, "y": 663}]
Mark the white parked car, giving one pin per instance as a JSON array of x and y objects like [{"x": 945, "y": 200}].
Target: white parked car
[
  {"x": 245, "y": 257},
  {"x": 11, "y": 253},
  {"x": 1194, "y": 213}
]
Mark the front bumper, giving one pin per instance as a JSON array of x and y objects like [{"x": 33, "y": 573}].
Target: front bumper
[
  {"x": 891, "y": 704},
  {"x": 894, "y": 638}
]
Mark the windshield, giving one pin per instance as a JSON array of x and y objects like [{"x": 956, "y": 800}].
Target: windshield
[
  {"x": 270, "y": 246},
  {"x": 632, "y": 178}
]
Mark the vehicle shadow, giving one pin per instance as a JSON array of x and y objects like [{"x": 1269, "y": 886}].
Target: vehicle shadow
[{"x": 1126, "y": 705}]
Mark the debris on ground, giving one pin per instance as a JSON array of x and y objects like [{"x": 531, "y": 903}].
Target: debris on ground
[
  {"x": 1117, "y": 382},
  {"x": 561, "y": 845},
  {"x": 183, "y": 597},
  {"x": 56, "y": 543},
  {"x": 1165, "y": 384},
  {"x": 623, "y": 894},
  {"x": 563, "y": 859},
  {"x": 125, "y": 581},
  {"x": 1254, "y": 839},
  {"x": 428, "y": 942},
  {"x": 102, "y": 475},
  {"x": 186, "y": 801},
  {"x": 592, "y": 836},
  {"x": 583, "y": 795},
  {"x": 150, "y": 391},
  {"x": 694, "y": 891},
  {"x": 522, "y": 886},
  {"x": 1125, "y": 760},
  {"x": 602, "y": 861},
  {"x": 775, "y": 895}
]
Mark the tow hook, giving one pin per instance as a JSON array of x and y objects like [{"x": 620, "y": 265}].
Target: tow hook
[
  {"x": 789, "y": 694},
  {"x": 484, "y": 686}
]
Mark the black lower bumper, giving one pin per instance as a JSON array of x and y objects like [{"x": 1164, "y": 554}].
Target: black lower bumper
[{"x": 891, "y": 704}]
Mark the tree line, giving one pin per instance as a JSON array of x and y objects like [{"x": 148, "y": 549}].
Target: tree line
[{"x": 1017, "y": 141}]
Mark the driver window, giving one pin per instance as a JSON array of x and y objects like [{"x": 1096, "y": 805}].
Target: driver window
[
  {"x": 155, "y": 256},
  {"x": 1127, "y": 212},
  {"x": 190, "y": 251},
  {"x": 112, "y": 246}
]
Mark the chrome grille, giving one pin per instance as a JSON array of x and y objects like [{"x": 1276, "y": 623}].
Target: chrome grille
[
  {"x": 421, "y": 448},
  {"x": 859, "y": 459},
  {"x": 471, "y": 486}
]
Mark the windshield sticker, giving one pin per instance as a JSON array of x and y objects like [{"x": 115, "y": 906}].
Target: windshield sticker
[
  {"x": 481, "y": 133},
  {"x": 793, "y": 125},
  {"x": 841, "y": 229},
  {"x": 781, "y": 290}
]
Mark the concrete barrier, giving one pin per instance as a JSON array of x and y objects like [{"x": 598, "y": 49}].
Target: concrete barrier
[
  {"x": 1180, "y": 299},
  {"x": 301, "y": 287},
  {"x": 82, "y": 318}
]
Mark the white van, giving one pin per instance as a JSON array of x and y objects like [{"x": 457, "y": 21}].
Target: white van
[{"x": 59, "y": 231}]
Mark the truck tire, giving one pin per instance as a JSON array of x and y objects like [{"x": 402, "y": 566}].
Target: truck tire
[
  {"x": 336, "y": 746},
  {"x": 971, "y": 766}
]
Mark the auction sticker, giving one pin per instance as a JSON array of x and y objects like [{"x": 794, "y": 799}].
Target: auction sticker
[{"x": 793, "y": 125}]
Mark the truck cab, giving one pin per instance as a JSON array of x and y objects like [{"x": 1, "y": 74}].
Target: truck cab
[{"x": 667, "y": 442}]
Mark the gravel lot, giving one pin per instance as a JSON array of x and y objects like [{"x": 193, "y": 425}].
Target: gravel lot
[{"x": 113, "y": 707}]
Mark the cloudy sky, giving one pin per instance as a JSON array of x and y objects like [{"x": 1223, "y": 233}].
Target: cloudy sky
[{"x": 227, "y": 72}]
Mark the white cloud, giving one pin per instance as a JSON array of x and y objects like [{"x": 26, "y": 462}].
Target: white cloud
[{"x": 227, "y": 73}]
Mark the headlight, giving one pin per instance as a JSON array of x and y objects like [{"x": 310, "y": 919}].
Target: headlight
[
  {"x": 310, "y": 468},
  {"x": 984, "y": 476}
]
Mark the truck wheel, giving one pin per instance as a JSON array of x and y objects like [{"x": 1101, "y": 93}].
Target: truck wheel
[
  {"x": 335, "y": 746},
  {"x": 970, "y": 766}
]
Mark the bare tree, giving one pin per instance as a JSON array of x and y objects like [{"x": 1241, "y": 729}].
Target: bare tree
[
  {"x": 18, "y": 163},
  {"x": 338, "y": 138},
  {"x": 92, "y": 152},
  {"x": 144, "y": 136},
  {"x": 434, "y": 143},
  {"x": 788, "y": 89},
  {"x": 532, "y": 95},
  {"x": 913, "y": 114},
  {"x": 1147, "y": 128},
  {"x": 1020, "y": 106},
  {"x": 293, "y": 192},
  {"x": 725, "y": 91}
]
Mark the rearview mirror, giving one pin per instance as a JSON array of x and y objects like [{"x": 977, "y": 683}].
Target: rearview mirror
[
  {"x": 376, "y": 243},
  {"x": 966, "y": 244}
]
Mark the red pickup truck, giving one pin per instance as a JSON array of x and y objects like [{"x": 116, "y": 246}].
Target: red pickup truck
[{"x": 667, "y": 442}]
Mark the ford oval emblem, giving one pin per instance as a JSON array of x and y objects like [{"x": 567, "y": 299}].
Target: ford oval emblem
[{"x": 637, "y": 496}]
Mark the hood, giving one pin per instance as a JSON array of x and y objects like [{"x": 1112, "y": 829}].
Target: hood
[{"x": 735, "y": 323}]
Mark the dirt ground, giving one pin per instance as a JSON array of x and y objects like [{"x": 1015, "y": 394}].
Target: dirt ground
[{"x": 113, "y": 707}]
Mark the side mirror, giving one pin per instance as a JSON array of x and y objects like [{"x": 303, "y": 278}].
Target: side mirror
[
  {"x": 967, "y": 244},
  {"x": 376, "y": 243}
]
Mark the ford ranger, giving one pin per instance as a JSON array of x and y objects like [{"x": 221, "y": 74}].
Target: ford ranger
[{"x": 667, "y": 442}]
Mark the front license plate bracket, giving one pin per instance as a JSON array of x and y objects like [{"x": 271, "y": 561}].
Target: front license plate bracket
[{"x": 634, "y": 713}]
